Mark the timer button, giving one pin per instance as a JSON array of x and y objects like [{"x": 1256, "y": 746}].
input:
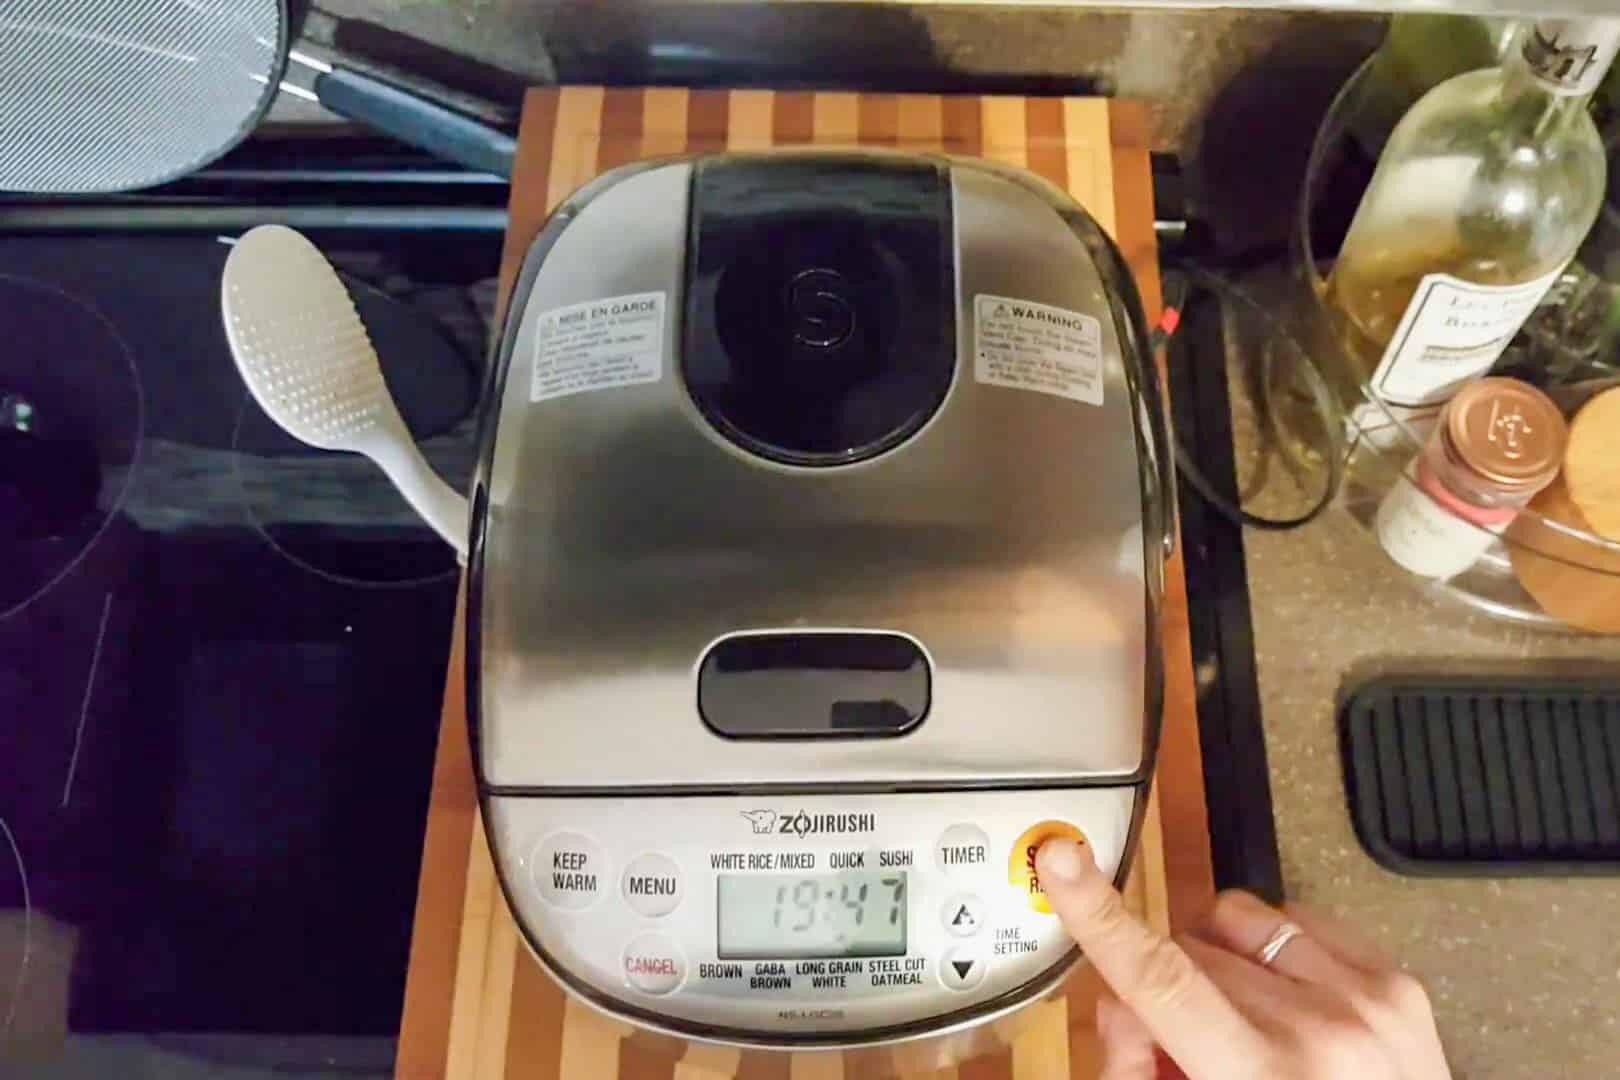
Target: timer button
[
  {"x": 963, "y": 967},
  {"x": 652, "y": 884},
  {"x": 1021, "y": 859},
  {"x": 962, "y": 849},
  {"x": 654, "y": 964},
  {"x": 569, "y": 870}
]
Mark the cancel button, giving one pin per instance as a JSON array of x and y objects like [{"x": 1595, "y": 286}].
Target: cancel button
[{"x": 654, "y": 964}]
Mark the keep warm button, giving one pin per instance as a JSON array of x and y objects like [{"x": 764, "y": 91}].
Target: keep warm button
[
  {"x": 569, "y": 870},
  {"x": 654, "y": 964}
]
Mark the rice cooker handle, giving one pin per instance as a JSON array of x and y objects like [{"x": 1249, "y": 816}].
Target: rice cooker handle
[
  {"x": 1154, "y": 421},
  {"x": 1164, "y": 460}
]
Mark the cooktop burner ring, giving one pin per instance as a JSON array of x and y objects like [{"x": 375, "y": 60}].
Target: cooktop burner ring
[
  {"x": 322, "y": 464},
  {"x": 49, "y": 403}
]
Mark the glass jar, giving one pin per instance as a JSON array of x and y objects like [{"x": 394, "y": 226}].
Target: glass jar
[{"x": 1495, "y": 444}]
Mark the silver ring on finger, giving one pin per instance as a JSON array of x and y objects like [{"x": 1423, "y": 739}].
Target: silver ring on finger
[{"x": 1277, "y": 942}]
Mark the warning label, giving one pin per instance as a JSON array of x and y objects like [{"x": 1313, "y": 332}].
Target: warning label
[
  {"x": 598, "y": 345},
  {"x": 1028, "y": 346}
]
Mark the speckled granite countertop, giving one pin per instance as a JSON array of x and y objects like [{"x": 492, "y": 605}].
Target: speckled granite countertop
[{"x": 1524, "y": 973}]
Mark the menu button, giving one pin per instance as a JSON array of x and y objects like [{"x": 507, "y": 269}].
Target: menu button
[{"x": 652, "y": 884}]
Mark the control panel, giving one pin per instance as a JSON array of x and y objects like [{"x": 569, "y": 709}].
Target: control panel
[{"x": 784, "y": 919}]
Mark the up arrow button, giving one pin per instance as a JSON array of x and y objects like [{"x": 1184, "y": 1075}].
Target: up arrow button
[{"x": 963, "y": 915}]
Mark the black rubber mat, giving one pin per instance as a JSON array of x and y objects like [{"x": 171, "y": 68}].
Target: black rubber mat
[{"x": 1490, "y": 777}]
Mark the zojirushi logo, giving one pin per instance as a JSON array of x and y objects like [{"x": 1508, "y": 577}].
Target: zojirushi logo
[{"x": 803, "y": 823}]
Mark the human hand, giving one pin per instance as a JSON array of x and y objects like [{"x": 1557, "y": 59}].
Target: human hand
[{"x": 1325, "y": 1008}]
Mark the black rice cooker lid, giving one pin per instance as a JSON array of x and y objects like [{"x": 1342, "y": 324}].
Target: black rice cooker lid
[{"x": 820, "y": 320}]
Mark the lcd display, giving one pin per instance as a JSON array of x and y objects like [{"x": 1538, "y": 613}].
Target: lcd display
[{"x": 787, "y": 916}]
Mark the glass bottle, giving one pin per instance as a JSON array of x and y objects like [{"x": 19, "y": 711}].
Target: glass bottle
[
  {"x": 1484, "y": 191},
  {"x": 1421, "y": 51}
]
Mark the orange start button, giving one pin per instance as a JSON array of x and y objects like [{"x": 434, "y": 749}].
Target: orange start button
[{"x": 1021, "y": 859}]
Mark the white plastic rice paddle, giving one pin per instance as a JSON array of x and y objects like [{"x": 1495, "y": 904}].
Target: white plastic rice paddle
[{"x": 309, "y": 363}]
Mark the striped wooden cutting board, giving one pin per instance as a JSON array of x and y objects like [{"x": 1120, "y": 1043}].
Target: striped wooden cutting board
[{"x": 477, "y": 1005}]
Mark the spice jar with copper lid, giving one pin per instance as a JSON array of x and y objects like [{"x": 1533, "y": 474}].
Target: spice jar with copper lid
[{"x": 1493, "y": 447}]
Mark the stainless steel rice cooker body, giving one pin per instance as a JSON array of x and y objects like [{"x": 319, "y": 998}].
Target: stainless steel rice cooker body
[{"x": 817, "y": 550}]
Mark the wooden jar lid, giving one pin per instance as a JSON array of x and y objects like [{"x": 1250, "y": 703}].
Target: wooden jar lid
[
  {"x": 1574, "y": 580},
  {"x": 1592, "y": 463}
]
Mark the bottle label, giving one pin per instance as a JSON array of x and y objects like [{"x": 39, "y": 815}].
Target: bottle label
[
  {"x": 1571, "y": 56},
  {"x": 1453, "y": 331}
]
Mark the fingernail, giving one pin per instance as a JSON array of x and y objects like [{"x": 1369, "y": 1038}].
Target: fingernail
[{"x": 1061, "y": 859}]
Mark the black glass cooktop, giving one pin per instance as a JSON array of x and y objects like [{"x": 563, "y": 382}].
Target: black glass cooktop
[{"x": 222, "y": 657}]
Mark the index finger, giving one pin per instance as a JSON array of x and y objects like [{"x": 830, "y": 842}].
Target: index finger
[{"x": 1185, "y": 1011}]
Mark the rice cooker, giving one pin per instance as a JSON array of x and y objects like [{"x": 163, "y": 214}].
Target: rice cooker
[{"x": 817, "y": 544}]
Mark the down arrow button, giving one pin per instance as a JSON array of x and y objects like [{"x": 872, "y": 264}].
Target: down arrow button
[{"x": 963, "y": 968}]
